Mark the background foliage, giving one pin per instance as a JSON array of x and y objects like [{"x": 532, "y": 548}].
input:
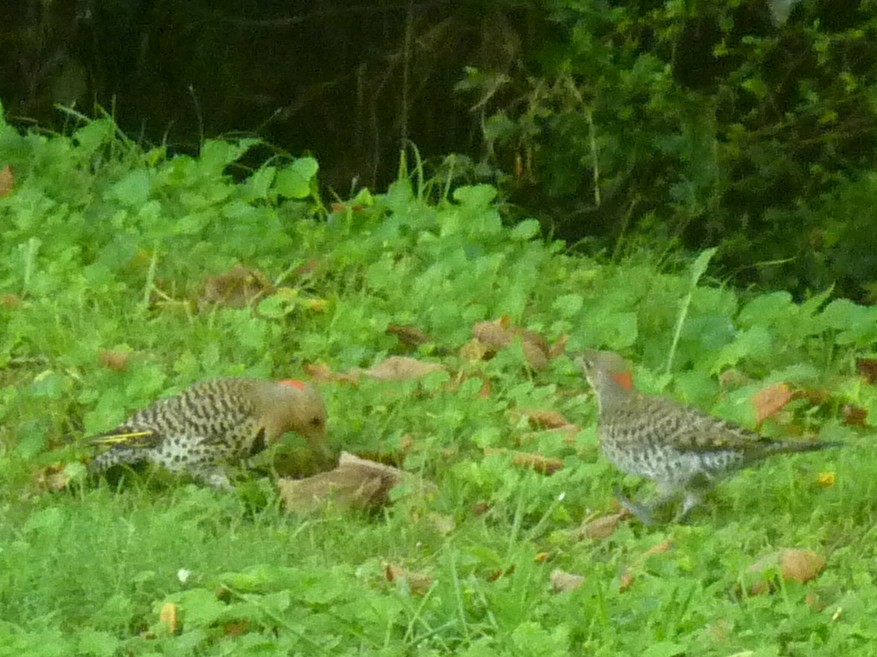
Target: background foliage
[{"x": 683, "y": 123}]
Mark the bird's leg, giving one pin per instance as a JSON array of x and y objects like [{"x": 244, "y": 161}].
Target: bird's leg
[
  {"x": 212, "y": 475},
  {"x": 646, "y": 511},
  {"x": 694, "y": 491}
]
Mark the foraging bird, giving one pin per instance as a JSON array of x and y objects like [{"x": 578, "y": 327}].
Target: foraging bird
[
  {"x": 681, "y": 448},
  {"x": 216, "y": 422}
]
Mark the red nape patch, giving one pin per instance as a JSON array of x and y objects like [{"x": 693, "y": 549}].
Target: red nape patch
[
  {"x": 624, "y": 379},
  {"x": 295, "y": 383}
]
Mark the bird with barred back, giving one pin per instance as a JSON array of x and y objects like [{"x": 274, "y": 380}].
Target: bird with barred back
[
  {"x": 214, "y": 423},
  {"x": 680, "y": 447}
]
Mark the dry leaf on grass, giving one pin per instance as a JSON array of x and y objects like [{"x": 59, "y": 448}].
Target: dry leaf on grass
[
  {"x": 794, "y": 565},
  {"x": 114, "y": 359},
  {"x": 236, "y": 288},
  {"x": 491, "y": 336},
  {"x": 855, "y": 415},
  {"x": 402, "y": 368},
  {"x": 408, "y": 334},
  {"x": 322, "y": 373},
  {"x": 494, "y": 334},
  {"x": 7, "y": 181},
  {"x": 867, "y": 367},
  {"x": 771, "y": 400},
  {"x": 545, "y": 419},
  {"x": 537, "y": 462},
  {"x": 53, "y": 478},
  {"x": 826, "y": 479},
  {"x": 629, "y": 575},
  {"x": 602, "y": 527},
  {"x": 170, "y": 617},
  {"x": 417, "y": 583},
  {"x": 355, "y": 483},
  {"x": 10, "y": 301},
  {"x": 562, "y": 581}
]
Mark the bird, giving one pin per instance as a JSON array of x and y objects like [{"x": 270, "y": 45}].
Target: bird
[
  {"x": 683, "y": 449},
  {"x": 214, "y": 423}
]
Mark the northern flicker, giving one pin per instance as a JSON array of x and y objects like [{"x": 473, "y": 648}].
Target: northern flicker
[
  {"x": 213, "y": 423},
  {"x": 681, "y": 448}
]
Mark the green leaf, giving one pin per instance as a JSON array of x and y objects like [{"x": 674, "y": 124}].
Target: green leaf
[
  {"x": 217, "y": 154},
  {"x": 568, "y": 305},
  {"x": 296, "y": 180},
  {"x": 95, "y": 134},
  {"x": 525, "y": 230},
  {"x": 755, "y": 343},
  {"x": 855, "y": 324},
  {"x": 663, "y": 649},
  {"x": 133, "y": 188},
  {"x": 698, "y": 269},
  {"x": 99, "y": 644}
]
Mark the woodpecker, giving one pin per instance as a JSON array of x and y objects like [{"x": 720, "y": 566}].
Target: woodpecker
[
  {"x": 214, "y": 423},
  {"x": 680, "y": 447}
]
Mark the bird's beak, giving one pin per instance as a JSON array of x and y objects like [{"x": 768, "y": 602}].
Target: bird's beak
[{"x": 319, "y": 443}]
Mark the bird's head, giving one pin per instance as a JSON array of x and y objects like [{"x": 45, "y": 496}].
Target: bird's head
[
  {"x": 293, "y": 405},
  {"x": 606, "y": 371}
]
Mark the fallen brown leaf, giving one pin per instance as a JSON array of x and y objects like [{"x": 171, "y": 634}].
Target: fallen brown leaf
[
  {"x": 402, "y": 368},
  {"x": 474, "y": 351},
  {"x": 408, "y": 333},
  {"x": 794, "y": 565},
  {"x": 562, "y": 581},
  {"x": 114, "y": 359},
  {"x": 7, "y": 181},
  {"x": 236, "y": 288},
  {"x": 53, "y": 478},
  {"x": 558, "y": 348},
  {"x": 417, "y": 583},
  {"x": 628, "y": 576},
  {"x": 601, "y": 528},
  {"x": 625, "y": 581},
  {"x": 537, "y": 462},
  {"x": 322, "y": 373},
  {"x": 494, "y": 334},
  {"x": 354, "y": 483},
  {"x": 770, "y": 400},
  {"x": 855, "y": 415},
  {"x": 537, "y": 358},
  {"x": 169, "y": 616},
  {"x": 867, "y": 367},
  {"x": 545, "y": 419},
  {"x": 236, "y": 628},
  {"x": 10, "y": 301}
]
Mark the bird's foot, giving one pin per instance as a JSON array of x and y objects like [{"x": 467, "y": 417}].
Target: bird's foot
[{"x": 641, "y": 511}]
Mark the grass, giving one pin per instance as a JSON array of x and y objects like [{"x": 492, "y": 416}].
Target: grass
[{"x": 106, "y": 247}]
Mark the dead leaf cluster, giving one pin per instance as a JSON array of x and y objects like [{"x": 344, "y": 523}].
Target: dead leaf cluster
[
  {"x": 489, "y": 337},
  {"x": 541, "y": 464},
  {"x": 237, "y": 288},
  {"x": 792, "y": 564},
  {"x": 628, "y": 577},
  {"x": 394, "y": 368},
  {"x": 417, "y": 583},
  {"x": 355, "y": 483},
  {"x": 602, "y": 527}
]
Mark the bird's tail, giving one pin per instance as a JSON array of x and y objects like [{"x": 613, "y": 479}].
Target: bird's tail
[{"x": 793, "y": 446}]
